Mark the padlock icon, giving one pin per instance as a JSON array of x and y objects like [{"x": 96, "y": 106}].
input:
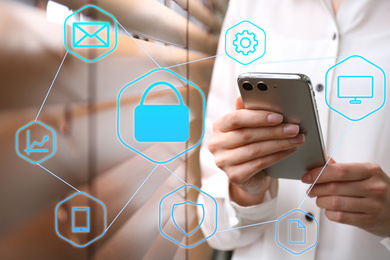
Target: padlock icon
[{"x": 161, "y": 123}]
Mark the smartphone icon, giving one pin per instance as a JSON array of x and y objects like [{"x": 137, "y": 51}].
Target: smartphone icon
[{"x": 80, "y": 219}]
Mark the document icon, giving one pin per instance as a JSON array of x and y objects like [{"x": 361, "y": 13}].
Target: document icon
[
  {"x": 296, "y": 232},
  {"x": 91, "y": 35}
]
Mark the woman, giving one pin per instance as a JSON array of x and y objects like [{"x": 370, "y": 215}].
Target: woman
[{"x": 351, "y": 200}]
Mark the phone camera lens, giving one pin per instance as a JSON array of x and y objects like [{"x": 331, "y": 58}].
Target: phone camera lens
[
  {"x": 262, "y": 86},
  {"x": 247, "y": 86}
]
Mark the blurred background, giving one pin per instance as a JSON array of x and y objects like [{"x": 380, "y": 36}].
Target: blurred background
[{"x": 81, "y": 108}]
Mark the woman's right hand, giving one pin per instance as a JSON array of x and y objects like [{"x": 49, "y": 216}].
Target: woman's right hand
[{"x": 247, "y": 141}]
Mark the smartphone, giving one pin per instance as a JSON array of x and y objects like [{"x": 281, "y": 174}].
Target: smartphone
[
  {"x": 80, "y": 220},
  {"x": 292, "y": 96}
]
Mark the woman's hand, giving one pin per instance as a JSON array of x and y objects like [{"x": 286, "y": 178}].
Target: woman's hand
[
  {"x": 247, "y": 141},
  {"x": 356, "y": 194}
]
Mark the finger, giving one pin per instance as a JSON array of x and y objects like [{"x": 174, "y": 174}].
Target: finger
[
  {"x": 331, "y": 161},
  {"x": 348, "y": 204},
  {"x": 256, "y": 150},
  {"x": 355, "y": 219},
  {"x": 245, "y": 136},
  {"x": 338, "y": 172},
  {"x": 241, "y": 173},
  {"x": 352, "y": 189},
  {"x": 239, "y": 103},
  {"x": 247, "y": 118}
]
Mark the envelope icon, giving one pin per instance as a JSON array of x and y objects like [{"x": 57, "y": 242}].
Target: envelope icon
[{"x": 91, "y": 35}]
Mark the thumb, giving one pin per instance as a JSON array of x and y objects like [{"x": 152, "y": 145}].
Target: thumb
[{"x": 239, "y": 103}]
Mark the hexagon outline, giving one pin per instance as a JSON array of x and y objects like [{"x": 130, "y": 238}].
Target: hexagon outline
[
  {"x": 105, "y": 219},
  {"x": 326, "y": 87},
  {"x": 116, "y": 33},
  {"x": 54, "y": 142},
  {"x": 265, "y": 42},
  {"x": 140, "y": 153},
  {"x": 277, "y": 228},
  {"x": 204, "y": 239}
]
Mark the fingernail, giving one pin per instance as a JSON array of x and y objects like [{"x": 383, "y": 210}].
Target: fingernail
[
  {"x": 291, "y": 129},
  {"x": 298, "y": 139},
  {"x": 306, "y": 178},
  {"x": 274, "y": 118}
]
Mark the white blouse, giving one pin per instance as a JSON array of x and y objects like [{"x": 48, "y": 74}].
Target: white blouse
[{"x": 303, "y": 36}]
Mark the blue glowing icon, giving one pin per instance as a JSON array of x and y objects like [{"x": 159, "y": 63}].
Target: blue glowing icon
[
  {"x": 74, "y": 228},
  {"x": 35, "y": 142},
  {"x": 354, "y": 87},
  {"x": 296, "y": 232},
  {"x": 183, "y": 204},
  {"x": 125, "y": 117},
  {"x": 91, "y": 35},
  {"x": 98, "y": 35},
  {"x": 78, "y": 214},
  {"x": 30, "y": 148},
  {"x": 161, "y": 123},
  {"x": 169, "y": 228},
  {"x": 245, "y": 42},
  {"x": 361, "y": 88}
]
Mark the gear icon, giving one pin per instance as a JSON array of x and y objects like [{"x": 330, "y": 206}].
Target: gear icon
[{"x": 245, "y": 42}]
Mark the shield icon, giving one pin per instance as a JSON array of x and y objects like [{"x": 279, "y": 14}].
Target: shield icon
[{"x": 177, "y": 208}]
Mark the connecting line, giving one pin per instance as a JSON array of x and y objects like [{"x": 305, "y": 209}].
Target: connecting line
[
  {"x": 252, "y": 225},
  {"x": 55, "y": 77},
  {"x": 184, "y": 63},
  {"x": 297, "y": 60},
  {"x": 138, "y": 44},
  {"x": 57, "y": 177},
  {"x": 327, "y": 162},
  {"x": 135, "y": 193},
  {"x": 260, "y": 62},
  {"x": 177, "y": 176}
]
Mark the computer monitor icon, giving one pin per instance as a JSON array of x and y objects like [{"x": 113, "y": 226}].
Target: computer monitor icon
[
  {"x": 355, "y": 88},
  {"x": 80, "y": 220}
]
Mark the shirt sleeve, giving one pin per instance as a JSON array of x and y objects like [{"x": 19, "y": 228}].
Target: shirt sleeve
[
  {"x": 237, "y": 226},
  {"x": 386, "y": 243}
]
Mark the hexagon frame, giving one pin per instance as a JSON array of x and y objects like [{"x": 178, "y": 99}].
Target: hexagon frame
[
  {"x": 326, "y": 87},
  {"x": 105, "y": 219},
  {"x": 200, "y": 241},
  {"x": 265, "y": 41},
  {"x": 277, "y": 228},
  {"x": 116, "y": 33},
  {"x": 118, "y": 109},
  {"x": 54, "y": 142}
]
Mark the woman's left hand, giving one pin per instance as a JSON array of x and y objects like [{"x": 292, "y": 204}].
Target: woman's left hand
[{"x": 356, "y": 194}]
